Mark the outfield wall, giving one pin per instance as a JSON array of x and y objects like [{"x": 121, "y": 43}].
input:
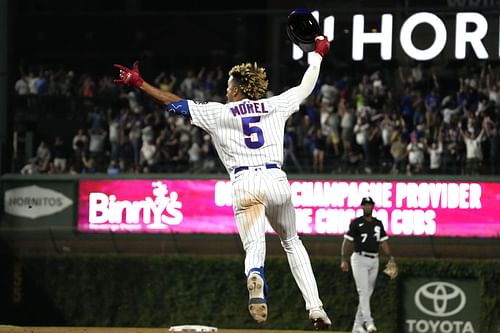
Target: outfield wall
[
  {"x": 57, "y": 271},
  {"x": 161, "y": 291},
  {"x": 185, "y": 214}
]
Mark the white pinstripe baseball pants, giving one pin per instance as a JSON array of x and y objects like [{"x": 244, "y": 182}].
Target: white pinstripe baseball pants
[{"x": 260, "y": 194}]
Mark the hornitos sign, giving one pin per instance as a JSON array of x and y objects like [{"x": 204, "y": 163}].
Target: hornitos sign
[
  {"x": 441, "y": 306},
  {"x": 34, "y": 201},
  {"x": 470, "y": 29}
]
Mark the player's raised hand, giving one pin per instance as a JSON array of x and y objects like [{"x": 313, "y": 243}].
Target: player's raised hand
[
  {"x": 130, "y": 77},
  {"x": 322, "y": 45}
]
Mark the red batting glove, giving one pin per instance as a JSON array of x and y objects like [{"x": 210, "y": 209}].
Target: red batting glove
[
  {"x": 322, "y": 45},
  {"x": 130, "y": 77}
]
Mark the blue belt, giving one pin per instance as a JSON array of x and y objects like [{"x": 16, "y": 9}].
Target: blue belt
[{"x": 268, "y": 166}]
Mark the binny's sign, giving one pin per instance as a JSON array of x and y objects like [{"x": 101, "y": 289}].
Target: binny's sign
[
  {"x": 441, "y": 209},
  {"x": 470, "y": 30}
]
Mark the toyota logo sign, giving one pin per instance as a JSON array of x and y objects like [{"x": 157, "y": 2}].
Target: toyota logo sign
[{"x": 440, "y": 299}]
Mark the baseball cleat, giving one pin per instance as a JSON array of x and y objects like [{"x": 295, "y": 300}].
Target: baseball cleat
[
  {"x": 319, "y": 319},
  {"x": 257, "y": 305},
  {"x": 371, "y": 328},
  {"x": 358, "y": 329}
]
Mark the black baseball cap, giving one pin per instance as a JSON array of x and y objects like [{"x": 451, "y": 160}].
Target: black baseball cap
[{"x": 367, "y": 200}]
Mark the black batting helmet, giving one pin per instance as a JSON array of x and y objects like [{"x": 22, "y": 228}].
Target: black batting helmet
[{"x": 302, "y": 29}]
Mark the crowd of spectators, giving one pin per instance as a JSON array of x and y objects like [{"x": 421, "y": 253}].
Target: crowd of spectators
[{"x": 413, "y": 120}]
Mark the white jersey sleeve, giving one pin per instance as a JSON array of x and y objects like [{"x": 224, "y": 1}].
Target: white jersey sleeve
[
  {"x": 286, "y": 102},
  {"x": 205, "y": 115},
  {"x": 294, "y": 96}
]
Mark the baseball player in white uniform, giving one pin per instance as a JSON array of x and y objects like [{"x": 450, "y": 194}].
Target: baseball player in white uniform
[
  {"x": 248, "y": 134},
  {"x": 367, "y": 233}
]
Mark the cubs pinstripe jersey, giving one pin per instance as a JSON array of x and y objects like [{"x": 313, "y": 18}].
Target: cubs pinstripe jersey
[
  {"x": 246, "y": 132},
  {"x": 366, "y": 234}
]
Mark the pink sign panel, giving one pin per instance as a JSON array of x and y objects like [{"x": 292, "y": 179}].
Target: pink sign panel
[{"x": 442, "y": 209}]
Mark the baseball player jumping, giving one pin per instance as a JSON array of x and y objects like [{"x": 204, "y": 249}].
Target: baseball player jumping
[
  {"x": 248, "y": 133},
  {"x": 367, "y": 233}
]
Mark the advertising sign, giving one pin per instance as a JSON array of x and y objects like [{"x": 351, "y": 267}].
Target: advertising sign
[
  {"x": 38, "y": 204},
  {"x": 470, "y": 30},
  {"x": 322, "y": 207},
  {"x": 435, "y": 305},
  {"x": 170, "y": 206}
]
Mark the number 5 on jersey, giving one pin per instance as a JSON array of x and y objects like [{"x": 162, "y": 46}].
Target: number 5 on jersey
[{"x": 257, "y": 139}]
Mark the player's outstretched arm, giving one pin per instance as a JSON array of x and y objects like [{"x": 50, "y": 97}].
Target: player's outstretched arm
[
  {"x": 322, "y": 46},
  {"x": 163, "y": 97},
  {"x": 132, "y": 78}
]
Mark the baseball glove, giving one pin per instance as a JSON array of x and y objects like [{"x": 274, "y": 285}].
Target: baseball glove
[{"x": 391, "y": 269}]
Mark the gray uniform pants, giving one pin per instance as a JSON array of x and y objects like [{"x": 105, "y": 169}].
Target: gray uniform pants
[{"x": 365, "y": 271}]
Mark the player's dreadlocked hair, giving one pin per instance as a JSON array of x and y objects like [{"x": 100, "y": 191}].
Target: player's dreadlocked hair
[{"x": 252, "y": 80}]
